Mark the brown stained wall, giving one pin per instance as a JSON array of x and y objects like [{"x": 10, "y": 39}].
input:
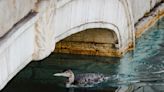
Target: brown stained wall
[
  {"x": 94, "y": 35},
  {"x": 101, "y": 42}
]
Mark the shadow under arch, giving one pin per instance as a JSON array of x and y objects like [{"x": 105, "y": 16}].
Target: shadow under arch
[{"x": 94, "y": 38}]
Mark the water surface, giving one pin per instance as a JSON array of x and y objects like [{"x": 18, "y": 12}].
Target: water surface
[{"x": 141, "y": 70}]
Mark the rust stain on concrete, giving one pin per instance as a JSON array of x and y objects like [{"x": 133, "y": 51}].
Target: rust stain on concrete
[{"x": 148, "y": 20}]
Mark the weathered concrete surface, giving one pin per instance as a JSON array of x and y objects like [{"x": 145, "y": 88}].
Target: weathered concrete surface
[
  {"x": 149, "y": 19},
  {"x": 44, "y": 29},
  {"x": 12, "y": 11},
  {"x": 141, "y": 7},
  {"x": 16, "y": 49}
]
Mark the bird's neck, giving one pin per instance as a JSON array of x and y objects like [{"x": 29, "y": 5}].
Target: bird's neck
[{"x": 70, "y": 81}]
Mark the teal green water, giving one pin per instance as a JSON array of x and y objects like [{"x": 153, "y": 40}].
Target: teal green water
[{"x": 141, "y": 70}]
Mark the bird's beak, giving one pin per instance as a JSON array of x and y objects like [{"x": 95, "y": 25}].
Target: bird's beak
[{"x": 61, "y": 74}]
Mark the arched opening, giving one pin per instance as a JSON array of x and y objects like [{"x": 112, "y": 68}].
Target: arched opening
[{"x": 95, "y": 41}]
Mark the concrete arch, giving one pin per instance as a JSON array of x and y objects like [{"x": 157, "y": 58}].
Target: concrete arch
[
  {"x": 91, "y": 25},
  {"x": 73, "y": 16}
]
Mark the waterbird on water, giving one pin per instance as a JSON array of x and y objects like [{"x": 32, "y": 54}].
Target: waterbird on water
[{"x": 82, "y": 80}]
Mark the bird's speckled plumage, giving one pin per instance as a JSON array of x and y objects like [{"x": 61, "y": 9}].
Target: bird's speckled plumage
[{"x": 82, "y": 80}]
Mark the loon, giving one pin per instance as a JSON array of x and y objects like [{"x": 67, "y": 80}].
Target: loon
[{"x": 82, "y": 80}]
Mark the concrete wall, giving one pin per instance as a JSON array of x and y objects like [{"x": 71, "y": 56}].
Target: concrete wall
[
  {"x": 16, "y": 50},
  {"x": 141, "y": 7},
  {"x": 12, "y": 11},
  {"x": 149, "y": 19}
]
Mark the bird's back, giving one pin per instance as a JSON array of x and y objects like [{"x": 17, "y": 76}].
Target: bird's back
[{"x": 89, "y": 79}]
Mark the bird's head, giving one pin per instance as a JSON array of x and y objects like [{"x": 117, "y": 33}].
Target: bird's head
[
  {"x": 69, "y": 74},
  {"x": 66, "y": 73}
]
